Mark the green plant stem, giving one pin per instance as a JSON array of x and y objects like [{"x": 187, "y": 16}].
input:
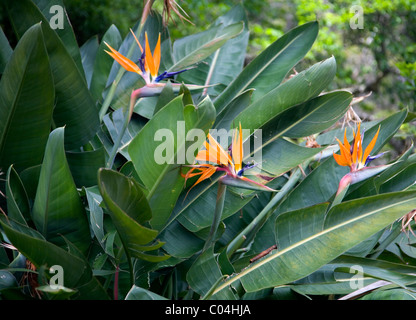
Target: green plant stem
[
  {"x": 267, "y": 211},
  {"x": 219, "y": 206}
]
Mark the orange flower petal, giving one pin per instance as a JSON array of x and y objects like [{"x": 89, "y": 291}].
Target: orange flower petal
[
  {"x": 157, "y": 56},
  {"x": 340, "y": 160},
  {"x": 205, "y": 155},
  {"x": 345, "y": 153},
  {"x": 370, "y": 147},
  {"x": 218, "y": 152},
  {"x": 346, "y": 143},
  {"x": 237, "y": 149},
  {"x": 126, "y": 63},
  {"x": 149, "y": 59},
  {"x": 357, "y": 145}
]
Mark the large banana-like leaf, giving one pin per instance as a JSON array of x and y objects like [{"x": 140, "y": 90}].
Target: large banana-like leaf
[
  {"x": 74, "y": 108},
  {"x": 58, "y": 210},
  {"x": 103, "y": 62},
  {"x": 309, "y": 238},
  {"x": 163, "y": 181},
  {"x": 137, "y": 293},
  {"x": 129, "y": 210},
  {"x": 340, "y": 276},
  {"x": 5, "y": 50},
  {"x": 194, "y": 48},
  {"x": 270, "y": 67},
  {"x": 227, "y": 62},
  {"x": 26, "y": 103},
  {"x": 307, "y": 85},
  {"x": 88, "y": 53},
  {"x": 18, "y": 206},
  {"x": 53, "y": 11},
  {"x": 207, "y": 265}
]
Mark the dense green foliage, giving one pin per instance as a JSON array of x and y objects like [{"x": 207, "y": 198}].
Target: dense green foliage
[{"x": 82, "y": 191}]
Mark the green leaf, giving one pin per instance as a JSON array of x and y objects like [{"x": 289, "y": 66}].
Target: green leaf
[
  {"x": 180, "y": 242},
  {"x": 323, "y": 237},
  {"x": 26, "y": 103},
  {"x": 84, "y": 166},
  {"x": 114, "y": 123},
  {"x": 94, "y": 200},
  {"x": 195, "y": 48},
  {"x": 74, "y": 108},
  {"x": 5, "y": 50},
  {"x": 392, "y": 294},
  {"x": 88, "y": 53},
  {"x": 270, "y": 67},
  {"x": 225, "y": 119},
  {"x": 137, "y": 293},
  {"x": 205, "y": 273},
  {"x": 103, "y": 62},
  {"x": 77, "y": 272},
  {"x": 18, "y": 207},
  {"x": 58, "y": 210},
  {"x": 65, "y": 32},
  {"x": 43, "y": 253},
  {"x": 399, "y": 274},
  {"x": 57, "y": 292},
  {"x": 162, "y": 176},
  {"x": 400, "y": 181},
  {"x": 226, "y": 62},
  {"x": 193, "y": 213},
  {"x": 298, "y": 89},
  {"x": 129, "y": 210},
  {"x": 7, "y": 280}
]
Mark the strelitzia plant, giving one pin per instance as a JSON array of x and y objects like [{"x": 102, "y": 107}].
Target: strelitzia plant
[
  {"x": 214, "y": 158},
  {"x": 357, "y": 159}
]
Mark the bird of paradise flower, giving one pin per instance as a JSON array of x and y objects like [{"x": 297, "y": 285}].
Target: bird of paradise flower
[
  {"x": 357, "y": 159},
  {"x": 148, "y": 65},
  {"x": 214, "y": 158},
  {"x": 148, "y": 68}
]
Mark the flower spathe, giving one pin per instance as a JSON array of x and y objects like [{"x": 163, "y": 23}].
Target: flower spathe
[{"x": 214, "y": 158}]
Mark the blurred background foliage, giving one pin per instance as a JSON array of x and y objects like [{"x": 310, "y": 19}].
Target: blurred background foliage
[{"x": 379, "y": 58}]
